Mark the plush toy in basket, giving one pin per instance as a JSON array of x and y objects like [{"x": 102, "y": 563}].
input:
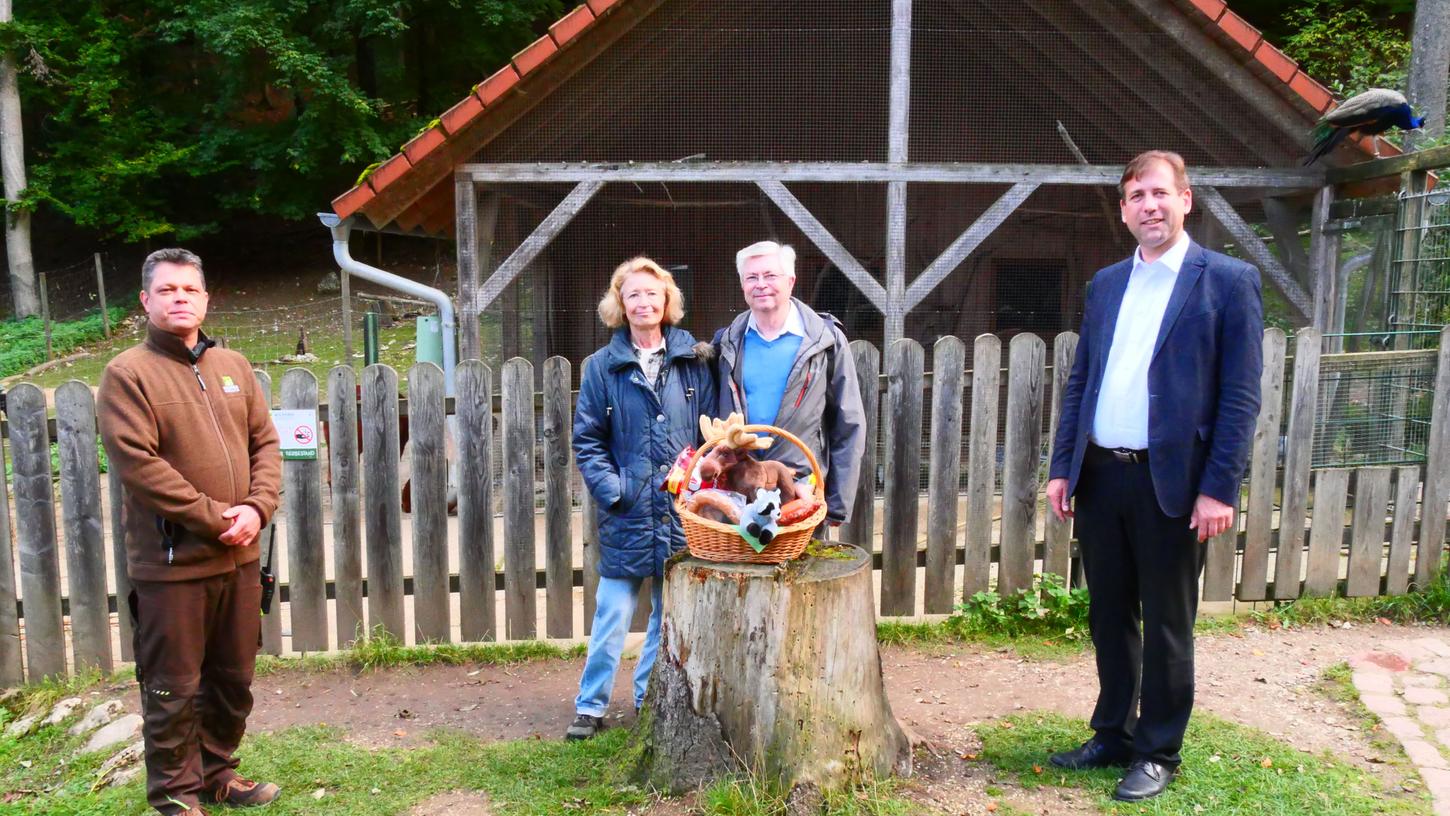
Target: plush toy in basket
[{"x": 753, "y": 510}]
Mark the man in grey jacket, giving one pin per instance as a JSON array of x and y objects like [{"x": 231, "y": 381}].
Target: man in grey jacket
[{"x": 783, "y": 364}]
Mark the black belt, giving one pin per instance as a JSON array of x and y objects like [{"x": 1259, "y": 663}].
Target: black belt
[{"x": 1097, "y": 454}]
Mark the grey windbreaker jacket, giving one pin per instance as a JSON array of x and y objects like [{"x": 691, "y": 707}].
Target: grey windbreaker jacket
[{"x": 822, "y": 404}]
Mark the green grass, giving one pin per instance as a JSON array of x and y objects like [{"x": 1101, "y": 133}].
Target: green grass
[
  {"x": 1228, "y": 770},
  {"x": 954, "y": 632},
  {"x": 750, "y": 796},
  {"x": 385, "y": 652},
  {"x": 22, "y": 342}
]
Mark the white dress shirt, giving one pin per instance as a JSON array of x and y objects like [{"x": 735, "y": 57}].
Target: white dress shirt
[{"x": 1121, "y": 418}]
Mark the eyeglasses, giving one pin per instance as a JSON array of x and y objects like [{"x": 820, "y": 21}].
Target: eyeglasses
[{"x": 768, "y": 278}]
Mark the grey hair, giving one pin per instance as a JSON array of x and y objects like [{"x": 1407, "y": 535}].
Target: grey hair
[
  {"x": 171, "y": 255},
  {"x": 784, "y": 252}
]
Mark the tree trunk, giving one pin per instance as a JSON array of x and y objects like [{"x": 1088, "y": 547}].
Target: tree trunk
[
  {"x": 1430, "y": 64},
  {"x": 773, "y": 671},
  {"x": 24, "y": 297}
]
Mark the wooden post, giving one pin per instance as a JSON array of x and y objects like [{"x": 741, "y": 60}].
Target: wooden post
[
  {"x": 45, "y": 315},
  {"x": 1402, "y": 530},
  {"x": 1028, "y": 355},
  {"x": 1367, "y": 538},
  {"x": 346, "y": 524},
  {"x": 11, "y": 670},
  {"x": 982, "y": 463},
  {"x": 591, "y": 560},
  {"x": 904, "y": 362},
  {"x": 518, "y": 499},
  {"x": 860, "y": 530},
  {"x": 119, "y": 574},
  {"x": 947, "y": 370},
  {"x": 1437, "y": 472},
  {"x": 465, "y": 209},
  {"x": 1297, "y": 461},
  {"x": 1326, "y": 534},
  {"x": 773, "y": 672},
  {"x": 1057, "y": 549},
  {"x": 101, "y": 295},
  {"x": 473, "y": 384},
  {"x": 345, "y": 282},
  {"x": 382, "y": 509},
  {"x": 426, "y": 437},
  {"x": 271, "y": 623},
  {"x": 1405, "y": 267},
  {"x": 85, "y": 546},
  {"x": 1263, "y": 471},
  {"x": 558, "y": 427},
  {"x": 1324, "y": 269},
  {"x": 302, "y": 500},
  {"x": 35, "y": 533},
  {"x": 898, "y": 141}
]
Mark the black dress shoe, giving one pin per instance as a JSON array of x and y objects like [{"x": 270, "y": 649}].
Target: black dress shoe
[
  {"x": 1145, "y": 779},
  {"x": 1091, "y": 754}
]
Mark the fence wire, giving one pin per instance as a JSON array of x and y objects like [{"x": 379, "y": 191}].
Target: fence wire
[
  {"x": 1373, "y": 409},
  {"x": 1420, "y": 274}
]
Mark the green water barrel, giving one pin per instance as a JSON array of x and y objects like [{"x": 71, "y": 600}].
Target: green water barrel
[{"x": 430, "y": 341}]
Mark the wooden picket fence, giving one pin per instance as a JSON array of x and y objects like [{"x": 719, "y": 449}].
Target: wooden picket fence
[{"x": 1367, "y": 531}]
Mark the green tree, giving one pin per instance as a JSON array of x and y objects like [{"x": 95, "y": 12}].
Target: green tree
[{"x": 168, "y": 117}]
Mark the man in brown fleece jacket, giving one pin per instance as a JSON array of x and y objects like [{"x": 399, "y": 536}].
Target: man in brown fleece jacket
[{"x": 189, "y": 432}]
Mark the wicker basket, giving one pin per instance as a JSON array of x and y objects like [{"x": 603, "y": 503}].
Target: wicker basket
[{"x": 718, "y": 541}]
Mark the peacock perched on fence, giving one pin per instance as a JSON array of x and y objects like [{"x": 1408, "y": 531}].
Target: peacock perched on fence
[{"x": 1372, "y": 112}]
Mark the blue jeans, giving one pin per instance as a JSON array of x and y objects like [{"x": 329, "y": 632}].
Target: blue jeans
[{"x": 613, "y": 610}]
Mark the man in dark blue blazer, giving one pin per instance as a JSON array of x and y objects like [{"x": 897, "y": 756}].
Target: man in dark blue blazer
[{"x": 1156, "y": 424}]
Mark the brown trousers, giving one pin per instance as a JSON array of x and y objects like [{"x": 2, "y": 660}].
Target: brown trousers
[{"x": 196, "y": 647}]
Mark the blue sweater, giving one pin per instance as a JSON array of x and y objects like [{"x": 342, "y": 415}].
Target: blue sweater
[{"x": 764, "y": 369}]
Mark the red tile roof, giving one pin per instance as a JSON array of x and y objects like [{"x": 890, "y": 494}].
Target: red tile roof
[{"x": 568, "y": 29}]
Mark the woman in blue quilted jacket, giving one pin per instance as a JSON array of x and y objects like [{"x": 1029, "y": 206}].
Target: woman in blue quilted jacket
[{"x": 640, "y": 401}]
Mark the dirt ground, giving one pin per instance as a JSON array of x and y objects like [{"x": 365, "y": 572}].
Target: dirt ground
[{"x": 1264, "y": 679}]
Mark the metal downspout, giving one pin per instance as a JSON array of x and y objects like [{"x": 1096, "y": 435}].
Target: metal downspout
[{"x": 341, "y": 228}]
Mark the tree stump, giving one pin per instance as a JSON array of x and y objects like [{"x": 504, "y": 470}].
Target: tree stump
[{"x": 771, "y": 670}]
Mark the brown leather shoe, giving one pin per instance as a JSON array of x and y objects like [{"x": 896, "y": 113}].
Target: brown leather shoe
[{"x": 246, "y": 793}]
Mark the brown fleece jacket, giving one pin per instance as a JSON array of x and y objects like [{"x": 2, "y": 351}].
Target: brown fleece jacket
[{"x": 186, "y": 452}]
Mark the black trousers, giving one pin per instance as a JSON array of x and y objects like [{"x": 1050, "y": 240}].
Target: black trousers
[
  {"x": 1142, "y": 571},
  {"x": 196, "y": 646}
]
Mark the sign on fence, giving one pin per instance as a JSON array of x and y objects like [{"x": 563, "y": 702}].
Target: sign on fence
[{"x": 297, "y": 429}]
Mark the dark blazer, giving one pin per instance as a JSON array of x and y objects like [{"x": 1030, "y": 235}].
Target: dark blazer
[{"x": 1203, "y": 380}]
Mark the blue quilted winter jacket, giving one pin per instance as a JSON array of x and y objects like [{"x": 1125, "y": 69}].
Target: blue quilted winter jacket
[{"x": 626, "y": 438}]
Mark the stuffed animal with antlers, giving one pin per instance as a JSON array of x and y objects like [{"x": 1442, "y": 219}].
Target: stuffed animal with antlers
[{"x": 732, "y": 467}]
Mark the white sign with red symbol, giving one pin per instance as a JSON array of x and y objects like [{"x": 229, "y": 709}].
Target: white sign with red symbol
[{"x": 297, "y": 429}]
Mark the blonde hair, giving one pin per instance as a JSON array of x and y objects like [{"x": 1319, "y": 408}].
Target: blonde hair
[
  {"x": 784, "y": 252},
  {"x": 611, "y": 306}
]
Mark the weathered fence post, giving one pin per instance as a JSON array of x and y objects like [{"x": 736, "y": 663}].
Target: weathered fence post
[
  {"x": 473, "y": 388},
  {"x": 1437, "y": 472},
  {"x": 1402, "y": 530},
  {"x": 1326, "y": 533},
  {"x": 948, "y": 365},
  {"x": 1367, "y": 536},
  {"x": 904, "y": 363},
  {"x": 518, "y": 499},
  {"x": 382, "y": 508},
  {"x": 982, "y": 463},
  {"x": 35, "y": 533},
  {"x": 558, "y": 427},
  {"x": 1297, "y": 460},
  {"x": 1263, "y": 471},
  {"x": 427, "y": 439},
  {"x": 85, "y": 546},
  {"x": 1057, "y": 546},
  {"x": 1028, "y": 355},
  {"x": 11, "y": 669},
  {"x": 271, "y": 623},
  {"x": 346, "y": 524},
  {"x": 119, "y": 574},
  {"x": 101, "y": 296},
  {"x": 302, "y": 500},
  {"x": 861, "y": 529}
]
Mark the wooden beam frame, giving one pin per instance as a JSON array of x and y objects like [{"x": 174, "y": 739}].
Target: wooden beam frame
[
  {"x": 966, "y": 243},
  {"x": 1306, "y": 178},
  {"x": 1256, "y": 249},
  {"x": 1432, "y": 159},
  {"x": 898, "y": 141},
  {"x": 1324, "y": 268},
  {"x": 531, "y": 246},
  {"x": 826, "y": 242}
]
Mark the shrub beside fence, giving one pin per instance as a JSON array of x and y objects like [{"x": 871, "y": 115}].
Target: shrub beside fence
[{"x": 1365, "y": 531}]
